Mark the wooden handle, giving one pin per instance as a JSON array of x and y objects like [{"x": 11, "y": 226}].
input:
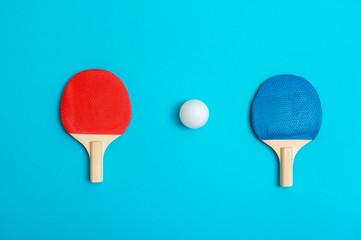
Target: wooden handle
[
  {"x": 96, "y": 162},
  {"x": 286, "y": 167}
]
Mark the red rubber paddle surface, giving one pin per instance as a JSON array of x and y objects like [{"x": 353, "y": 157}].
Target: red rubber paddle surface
[{"x": 96, "y": 101}]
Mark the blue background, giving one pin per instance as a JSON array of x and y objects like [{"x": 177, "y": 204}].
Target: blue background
[{"x": 162, "y": 180}]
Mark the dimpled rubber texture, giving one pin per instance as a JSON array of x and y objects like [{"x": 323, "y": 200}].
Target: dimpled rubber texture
[
  {"x": 96, "y": 101},
  {"x": 286, "y": 107}
]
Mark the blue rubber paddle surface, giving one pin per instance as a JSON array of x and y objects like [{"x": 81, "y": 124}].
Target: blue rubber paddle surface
[{"x": 286, "y": 107}]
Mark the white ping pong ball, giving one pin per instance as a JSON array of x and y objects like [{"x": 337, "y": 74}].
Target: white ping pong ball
[{"x": 194, "y": 113}]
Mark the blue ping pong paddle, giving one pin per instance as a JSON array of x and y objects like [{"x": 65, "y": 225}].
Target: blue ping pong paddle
[{"x": 286, "y": 115}]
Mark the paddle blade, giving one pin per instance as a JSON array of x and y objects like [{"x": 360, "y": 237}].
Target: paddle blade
[
  {"x": 96, "y": 101},
  {"x": 286, "y": 107}
]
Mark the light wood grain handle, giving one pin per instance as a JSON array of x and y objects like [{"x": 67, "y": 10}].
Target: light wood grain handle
[
  {"x": 96, "y": 162},
  {"x": 286, "y": 167}
]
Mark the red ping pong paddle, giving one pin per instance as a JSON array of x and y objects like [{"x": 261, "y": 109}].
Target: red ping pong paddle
[{"x": 96, "y": 110}]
